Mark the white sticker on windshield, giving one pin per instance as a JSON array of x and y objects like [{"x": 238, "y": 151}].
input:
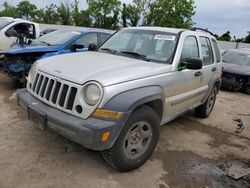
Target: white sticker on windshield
[
  {"x": 75, "y": 32},
  {"x": 164, "y": 37}
]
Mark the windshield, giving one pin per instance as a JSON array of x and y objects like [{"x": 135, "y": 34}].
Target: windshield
[
  {"x": 4, "y": 22},
  {"x": 236, "y": 58},
  {"x": 56, "y": 37},
  {"x": 147, "y": 45}
]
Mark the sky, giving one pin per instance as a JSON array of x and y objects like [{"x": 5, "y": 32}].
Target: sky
[{"x": 218, "y": 16}]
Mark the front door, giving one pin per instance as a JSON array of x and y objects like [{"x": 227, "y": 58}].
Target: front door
[{"x": 187, "y": 83}]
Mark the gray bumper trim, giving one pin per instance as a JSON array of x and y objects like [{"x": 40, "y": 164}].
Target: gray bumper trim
[{"x": 85, "y": 132}]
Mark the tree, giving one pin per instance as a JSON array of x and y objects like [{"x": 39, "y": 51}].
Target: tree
[
  {"x": 247, "y": 39},
  {"x": 85, "y": 19},
  {"x": 76, "y": 15},
  {"x": 124, "y": 15},
  {"x": 105, "y": 13},
  {"x": 8, "y": 10},
  {"x": 225, "y": 37},
  {"x": 48, "y": 15},
  {"x": 134, "y": 15},
  {"x": 131, "y": 14},
  {"x": 64, "y": 13},
  {"x": 142, "y": 8},
  {"x": 26, "y": 9},
  {"x": 171, "y": 13}
]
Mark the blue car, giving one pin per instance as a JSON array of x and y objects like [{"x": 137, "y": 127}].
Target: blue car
[{"x": 17, "y": 60}]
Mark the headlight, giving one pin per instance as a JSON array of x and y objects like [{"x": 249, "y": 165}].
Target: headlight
[
  {"x": 92, "y": 94},
  {"x": 32, "y": 72}
]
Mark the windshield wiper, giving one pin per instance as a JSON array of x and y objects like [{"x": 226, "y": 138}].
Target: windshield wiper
[
  {"x": 45, "y": 43},
  {"x": 109, "y": 50},
  {"x": 143, "y": 57}
]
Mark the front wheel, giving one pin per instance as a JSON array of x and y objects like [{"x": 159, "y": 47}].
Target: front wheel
[
  {"x": 205, "y": 109},
  {"x": 136, "y": 141}
]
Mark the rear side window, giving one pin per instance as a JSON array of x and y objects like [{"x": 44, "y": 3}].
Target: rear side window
[
  {"x": 190, "y": 48},
  {"x": 102, "y": 38},
  {"x": 217, "y": 51},
  {"x": 87, "y": 39},
  {"x": 207, "y": 52}
]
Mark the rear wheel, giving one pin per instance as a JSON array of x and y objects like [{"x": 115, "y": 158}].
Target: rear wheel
[
  {"x": 136, "y": 142},
  {"x": 205, "y": 109}
]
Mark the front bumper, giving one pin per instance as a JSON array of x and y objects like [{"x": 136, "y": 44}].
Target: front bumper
[
  {"x": 85, "y": 132},
  {"x": 231, "y": 85}
]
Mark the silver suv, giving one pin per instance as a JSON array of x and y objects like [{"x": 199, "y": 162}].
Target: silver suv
[{"x": 114, "y": 99}]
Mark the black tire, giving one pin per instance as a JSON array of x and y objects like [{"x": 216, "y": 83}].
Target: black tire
[
  {"x": 205, "y": 109},
  {"x": 119, "y": 157}
]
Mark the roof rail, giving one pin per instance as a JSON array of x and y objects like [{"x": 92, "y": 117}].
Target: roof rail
[{"x": 201, "y": 29}]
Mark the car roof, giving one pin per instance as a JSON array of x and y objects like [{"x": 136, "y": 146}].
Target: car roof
[
  {"x": 15, "y": 19},
  {"x": 163, "y": 29},
  {"x": 241, "y": 50},
  {"x": 170, "y": 30},
  {"x": 86, "y": 30}
]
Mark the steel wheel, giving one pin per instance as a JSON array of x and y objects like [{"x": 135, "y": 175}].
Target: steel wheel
[{"x": 137, "y": 140}]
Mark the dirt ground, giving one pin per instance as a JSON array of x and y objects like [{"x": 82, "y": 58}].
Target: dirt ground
[{"x": 191, "y": 152}]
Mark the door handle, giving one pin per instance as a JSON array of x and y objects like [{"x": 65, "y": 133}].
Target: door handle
[
  {"x": 214, "y": 69},
  {"x": 199, "y": 73}
]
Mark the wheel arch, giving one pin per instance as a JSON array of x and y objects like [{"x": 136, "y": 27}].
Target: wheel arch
[{"x": 128, "y": 101}]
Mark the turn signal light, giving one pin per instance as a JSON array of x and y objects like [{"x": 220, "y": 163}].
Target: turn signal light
[
  {"x": 107, "y": 114},
  {"x": 105, "y": 136}
]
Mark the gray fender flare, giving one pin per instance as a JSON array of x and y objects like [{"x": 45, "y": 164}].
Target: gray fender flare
[
  {"x": 128, "y": 101},
  {"x": 131, "y": 99}
]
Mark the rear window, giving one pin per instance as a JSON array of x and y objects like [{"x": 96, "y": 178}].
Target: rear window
[
  {"x": 236, "y": 58},
  {"x": 217, "y": 51}
]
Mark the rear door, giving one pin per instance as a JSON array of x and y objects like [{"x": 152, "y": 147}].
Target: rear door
[{"x": 209, "y": 62}]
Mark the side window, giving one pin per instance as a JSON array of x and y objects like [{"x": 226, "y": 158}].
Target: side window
[
  {"x": 103, "y": 38},
  {"x": 190, "y": 48},
  {"x": 87, "y": 39},
  {"x": 207, "y": 52},
  {"x": 217, "y": 51},
  {"x": 28, "y": 30}
]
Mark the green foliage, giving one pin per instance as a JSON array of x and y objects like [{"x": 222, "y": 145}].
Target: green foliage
[
  {"x": 105, "y": 13},
  {"x": 131, "y": 14},
  {"x": 26, "y": 10},
  {"x": 48, "y": 15},
  {"x": 8, "y": 10},
  {"x": 64, "y": 13},
  {"x": 225, "y": 37},
  {"x": 247, "y": 39},
  {"x": 171, "y": 13}
]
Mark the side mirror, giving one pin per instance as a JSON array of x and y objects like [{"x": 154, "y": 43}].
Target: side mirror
[
  {"x": 11, "y": 33},
  {"x": 92, "y": 47},
  {"x": 77, "y": 46},
  {"x": 193, "y": 63}
]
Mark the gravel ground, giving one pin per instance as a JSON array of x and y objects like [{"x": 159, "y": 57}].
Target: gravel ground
[{"x": 191, "y": 152}]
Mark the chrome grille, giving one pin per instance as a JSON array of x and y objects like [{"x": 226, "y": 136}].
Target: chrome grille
[{"x": 54, "y": 91}]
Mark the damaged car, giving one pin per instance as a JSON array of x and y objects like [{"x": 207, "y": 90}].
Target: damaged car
[
  {"x": 236, "y": 73},
  {"x": 17, "y": 60},
  {"x": 13, "y": 30}
]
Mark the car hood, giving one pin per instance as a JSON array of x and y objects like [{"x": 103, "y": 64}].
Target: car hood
[
  {"x": 236, "y": 69},
  {"x": 19, "y": 49},
  {"x": 107, "y": 69}
]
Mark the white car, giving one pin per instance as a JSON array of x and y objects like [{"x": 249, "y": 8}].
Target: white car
[
  {"x": 115, "y": 98},
  {"x": 29, "y": 29}
]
